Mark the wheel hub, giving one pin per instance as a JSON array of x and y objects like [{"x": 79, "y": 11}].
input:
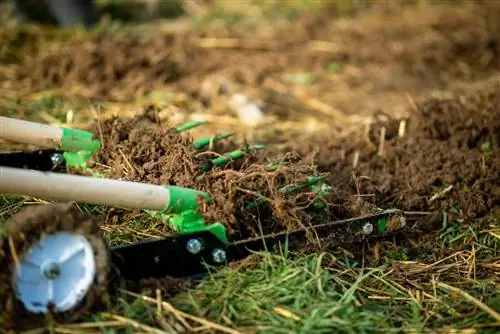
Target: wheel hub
[
  {"x": 56, "y": 273},
  {"x": 51, "y": 270}
]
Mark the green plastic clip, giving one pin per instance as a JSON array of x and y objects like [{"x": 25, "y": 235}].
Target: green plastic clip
[
  {"x": 78, "y": 147},
  {"x": 181, "y": 213},
  {"x": 74, "y": 140},
  {"x": 382, "y": 224},
  {"x": 192, "y": 222}
]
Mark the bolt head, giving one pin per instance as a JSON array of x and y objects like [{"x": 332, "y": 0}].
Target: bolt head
[
  {"x": 367, "y": 228},
  {"x": 219, "y": 255},
  {"x": 57, "y": 159},
  {"x": 51, "y": 270},
  {"x": 194, "y": 246}
]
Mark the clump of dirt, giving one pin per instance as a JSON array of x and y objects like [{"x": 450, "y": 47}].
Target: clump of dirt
[
  {"x": 28, "y": 227},
  {"x": 140, "y": 149},
  {"x": 448, "y": 157}
]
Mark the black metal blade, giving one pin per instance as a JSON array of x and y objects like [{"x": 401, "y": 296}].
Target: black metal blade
[
  {"x": 329, "y": 234},
  {"x": 167, "y": 257},
  {"x": 41, "y": 160},
  {"x": 170, "y": 256}
]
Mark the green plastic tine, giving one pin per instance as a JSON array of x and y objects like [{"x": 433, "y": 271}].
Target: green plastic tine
[
  {"x": 323, "y": 189},
  {"x": 274, "y": 165},
  {"x": 204, "y": 142},
  {"x": 189, "y": 125},
  {"x": 228, "y": 157},
  {"x": 311, "y": 180},
  {"x": 295, "y": 187},
  {"x": 319, "y": 205}
]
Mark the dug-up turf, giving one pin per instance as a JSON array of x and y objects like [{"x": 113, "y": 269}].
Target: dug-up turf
[
  {"x": 444, "y": 157},
  {"x": 141, "y": 149}
]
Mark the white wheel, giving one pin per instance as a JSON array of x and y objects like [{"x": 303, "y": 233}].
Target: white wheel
[
  {"x": 55, "y": 263},
  {"x": 56, "y": 273}
]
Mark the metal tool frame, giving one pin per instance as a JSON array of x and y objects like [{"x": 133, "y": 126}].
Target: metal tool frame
[{"x": 191, "y": 253}]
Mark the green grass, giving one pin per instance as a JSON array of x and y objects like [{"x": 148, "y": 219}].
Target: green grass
[
  {"x": 449, "y": 285},
  {"x": 326, "y": 293},
  {"x": 282, "y": 296}
]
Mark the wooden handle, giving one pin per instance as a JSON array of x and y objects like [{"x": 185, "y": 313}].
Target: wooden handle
[
  {"x": 65, "y": 187},
  {"x": 30, "y": 133}
]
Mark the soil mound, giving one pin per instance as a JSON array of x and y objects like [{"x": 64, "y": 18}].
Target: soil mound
[
  {"x": 448, "y": 157},
  {"x": 138, "y": 149}
]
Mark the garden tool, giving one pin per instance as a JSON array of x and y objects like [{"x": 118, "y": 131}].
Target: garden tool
[
  {"x": 56, "y": 273},
  {"x": 72, "y": 148},
  {"x": 188, "y": 254},
  {"x": 68, "y": 148}
]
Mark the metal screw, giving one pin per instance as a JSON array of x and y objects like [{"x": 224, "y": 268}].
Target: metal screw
[
  {"x": 194, "y": 246},
  {"x": 218, "y": 255},
  {"x": 57, "y": 159},
  {"x": 367, "y": 228},
  {"x": 51, "y": 271}
]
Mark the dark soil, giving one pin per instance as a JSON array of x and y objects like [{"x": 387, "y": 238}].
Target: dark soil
[
  {"x": 449, "y": 142},
  {"x": 447, "y": 159},
  {"x": 138, "y": 149}
]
